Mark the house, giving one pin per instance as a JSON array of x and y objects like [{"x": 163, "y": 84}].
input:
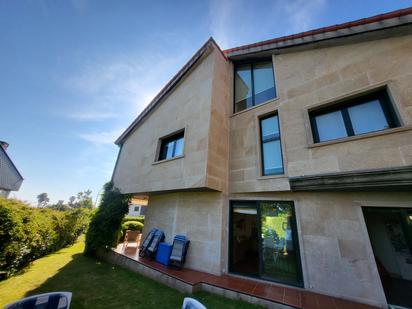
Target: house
[
  {"x": 137, "y": 206},
  {"x": 287, "y": 160},
  {"x": 10, "y": 177}
]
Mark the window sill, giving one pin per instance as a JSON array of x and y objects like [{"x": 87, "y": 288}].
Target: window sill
[
  {"x": 278, "y": 176},
  {"x": 167, "y": 160},
  {"x": 362, "y": 136},
  {"x": 254, "y": 107}
]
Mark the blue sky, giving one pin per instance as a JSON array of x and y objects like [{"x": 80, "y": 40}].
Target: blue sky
[{"x": 74, "y": 74}]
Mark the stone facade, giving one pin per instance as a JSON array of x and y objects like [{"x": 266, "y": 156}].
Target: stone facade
[
  {"x": 199, "y": 216},
  {"x": 221, "y": 162}
]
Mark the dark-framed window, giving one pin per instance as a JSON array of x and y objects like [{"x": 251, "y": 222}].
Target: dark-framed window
[
  {"x": 271, "y": 148},
  {"x": 136, "y": 208},
  {"x": 364, "y": 114},
  {"x": 254, "y": 83},
  {"x": 263, "y": 241},
  {"x": 171, "y": 146}
]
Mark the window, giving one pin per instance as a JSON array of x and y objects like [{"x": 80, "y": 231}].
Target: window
[
  {"x": 136, "y": 208},
  {"x": 364, "y": 114},
  {"x": 254, "y": 84},
  {"x": 272, "y": 162},
  {"x": 171, "y": 146},
  {"x": 263, "y": 241}
]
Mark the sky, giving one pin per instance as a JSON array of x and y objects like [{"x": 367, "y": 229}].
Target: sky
[{"x": 75, "y": 73}]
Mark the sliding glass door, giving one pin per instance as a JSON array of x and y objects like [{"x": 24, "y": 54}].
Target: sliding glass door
[{"x": 263, "y": 241}]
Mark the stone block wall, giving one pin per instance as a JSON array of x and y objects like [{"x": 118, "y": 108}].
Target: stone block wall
[
  {"x": 199, "y": 216},
  {"x": 336, "y": 254},
  {"x": 312, "y": 78}
]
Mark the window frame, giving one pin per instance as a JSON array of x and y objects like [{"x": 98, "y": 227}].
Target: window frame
[
  {"x": 262, "y": 155},
  {"x": 381, "y": 94},
  {"x": 252, "y": 62},
  {"x": 168, "y": 138}
]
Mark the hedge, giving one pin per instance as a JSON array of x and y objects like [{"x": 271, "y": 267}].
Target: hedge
[{"x": 27, "y": 233}]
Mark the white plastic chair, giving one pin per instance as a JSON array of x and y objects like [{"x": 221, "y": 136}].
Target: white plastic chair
[
  {"x": 42, "y": 301},
  {"x": 191, "y": 303}
]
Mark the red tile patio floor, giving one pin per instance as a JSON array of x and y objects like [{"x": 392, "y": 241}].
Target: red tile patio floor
[{"x": 298, "y": 298}]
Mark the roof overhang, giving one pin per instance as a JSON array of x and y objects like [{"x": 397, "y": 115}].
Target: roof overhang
[{"x": 376, "y": 23}]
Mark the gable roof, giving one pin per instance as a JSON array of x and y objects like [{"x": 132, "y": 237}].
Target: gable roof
[
  {"x": 377, "y": 22},
  {"x": 210, "y": 43}
]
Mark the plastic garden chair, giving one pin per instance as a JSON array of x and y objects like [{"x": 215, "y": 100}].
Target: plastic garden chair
[
  {"x": 191, "y": 303},
  {"x": 54, "y": 300}
]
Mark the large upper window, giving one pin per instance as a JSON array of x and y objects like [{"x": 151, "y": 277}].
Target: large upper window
[
  {"x": 171, "y": 146},
  {"x": 254, "y": 84},
  {"x": 364, "y": 114},
  {"x": 272, "y": 162}
]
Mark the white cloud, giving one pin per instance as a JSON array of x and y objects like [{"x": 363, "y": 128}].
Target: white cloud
[
  {"x": 118, "y": 86},
  {"x": 237, "y": 22},
  {"x": 221, "y": 13},
  {"x": 91, "y": 115},
  {"x": 302, "y": 14},
  {"x": 101, "y": 138}
]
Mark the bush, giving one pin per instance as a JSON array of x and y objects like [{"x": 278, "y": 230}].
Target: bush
[
  {"x": 132, "y": 218},
  {"x": 105, "y": 225},
  {"x": 28, "y": 233},
  {"x": 132, "y": 226}
]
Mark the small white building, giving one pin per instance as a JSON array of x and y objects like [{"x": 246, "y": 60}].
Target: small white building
[
  {"x": 10, "y": 177},
  {"x": 137, "y": 206}
]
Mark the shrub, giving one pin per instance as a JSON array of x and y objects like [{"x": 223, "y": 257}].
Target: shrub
[
  {"x": 104, "y": 227},
  {"x": 132, "y": 225},
  {"x": 28, "y": 233},
  {"x": 132, "y": 218}
]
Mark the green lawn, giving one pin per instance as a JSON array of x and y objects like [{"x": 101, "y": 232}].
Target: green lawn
[{"x": 96, "y": 284}]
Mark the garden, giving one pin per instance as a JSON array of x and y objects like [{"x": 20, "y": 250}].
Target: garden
[{"x": 44, "y": 250}]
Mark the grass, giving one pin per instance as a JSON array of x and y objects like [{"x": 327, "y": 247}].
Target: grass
[{"x": 96, "y": 284}]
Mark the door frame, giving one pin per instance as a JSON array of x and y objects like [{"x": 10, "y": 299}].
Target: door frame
[
  {"x": 361, "y": 212},
  {"x": 256, "y": 204}
]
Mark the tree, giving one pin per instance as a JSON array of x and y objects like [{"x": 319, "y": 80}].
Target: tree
[
  {"x": 59, "y": 206},
  {"x": 84, "y": 200},
  {"x": 106, "y": 223},
  {"x": 71, "y": 201},
  {"x": 43, "y": 199}
]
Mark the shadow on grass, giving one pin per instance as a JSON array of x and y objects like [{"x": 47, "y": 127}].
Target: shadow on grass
[{"x": 97, "y": 284}]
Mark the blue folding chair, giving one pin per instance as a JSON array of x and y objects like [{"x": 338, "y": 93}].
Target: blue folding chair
[
  {"x": 179, "y": 251},
  {"x": 158, "y": 237},
  {"x": 146, "y": 243}
]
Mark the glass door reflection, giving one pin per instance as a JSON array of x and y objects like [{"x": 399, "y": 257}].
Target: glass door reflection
[{"x": 280, "y": 259}]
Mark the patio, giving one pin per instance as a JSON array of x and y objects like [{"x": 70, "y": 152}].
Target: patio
[{"x": 254, "y": 291}]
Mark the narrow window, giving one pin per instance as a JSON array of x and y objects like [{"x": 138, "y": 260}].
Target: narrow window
[
  {"x": 364, "y": 114},
  {"x": 171, "y": 146},
  {"x": 254, "y": 84},
  {"x": 272, "y": 162}
]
